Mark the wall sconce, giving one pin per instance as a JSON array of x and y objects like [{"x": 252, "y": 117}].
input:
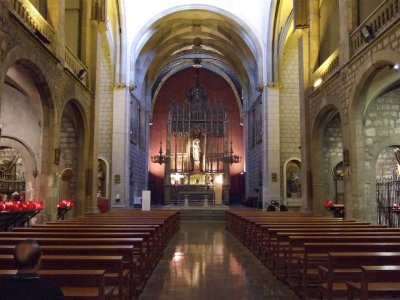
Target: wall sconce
[
  {"x": 317, "y": 82},
  {"x": 81, "y": 74},
  {"x": 367, "y": 33},
  {"x": 395, "y": 67}
]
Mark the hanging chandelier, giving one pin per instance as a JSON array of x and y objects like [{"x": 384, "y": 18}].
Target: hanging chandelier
[
  {"x": 232, "y": 158},
  {"x": 160, "y": 158}
]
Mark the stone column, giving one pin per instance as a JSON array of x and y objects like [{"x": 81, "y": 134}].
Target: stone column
[
  {"x": 314, "y": 36},
  {"x": 355, "y": 203},
  {"x": 345, "y": 17},
  {"x": 270, "y": 145},
  {"x": 304, "y": 76},
  {"x": 56, "y": 18},
  {"x": 93, "y": 126},
  {"x": 120, "y": 151}
]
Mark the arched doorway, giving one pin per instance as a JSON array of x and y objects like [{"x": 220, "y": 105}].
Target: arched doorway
[
  {"x": 70, "y": 175},
  {"x": 327, "y": 155}
]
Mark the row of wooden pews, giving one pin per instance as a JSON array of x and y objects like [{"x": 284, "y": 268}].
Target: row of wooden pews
[
  {"x": 321, "y": 256},
  {"x": 98, "y": 256}
]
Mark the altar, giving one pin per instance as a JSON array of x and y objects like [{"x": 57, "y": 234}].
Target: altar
[{"x": 197, "y": 154}]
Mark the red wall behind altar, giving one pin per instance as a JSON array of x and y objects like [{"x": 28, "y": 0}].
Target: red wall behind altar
[{"x": 176, "y": 88}]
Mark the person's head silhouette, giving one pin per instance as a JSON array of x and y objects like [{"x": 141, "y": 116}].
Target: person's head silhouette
[{"x": 27, "y": 255}]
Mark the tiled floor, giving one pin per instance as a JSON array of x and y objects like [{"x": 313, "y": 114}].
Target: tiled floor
[{"x": 204, "y": 261}]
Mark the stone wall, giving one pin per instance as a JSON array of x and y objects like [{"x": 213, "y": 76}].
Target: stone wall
[
  {"x": 137, "y": 152},
  {"x": 68, "y": 156},
  {"x": 138, "y": 170},
  {"x": 289, "y": 106},
  {"x": 332, "y": 153},
  {"x": 386, "y": 165},
  {"x": 381, "y": 121},
  {"x": 55, "y": 85},
  {"x": 349, "y": 89},
  {"x": 106, "y": 103},
  {"x": 254, "y": 164}
]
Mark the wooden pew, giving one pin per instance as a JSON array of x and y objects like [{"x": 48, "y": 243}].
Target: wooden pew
[
  {"x": 376, "y": 281},
  {"x": 316, "y": 254},
  {"x": 346, "y": 266},
  {"x": 75, "y": 284},
  {"x": 135, "y": 242},
  {"x": 271, "y": 235},
  {"x": 160, "y": 238},
  {"x": 137, "y": 279},
  {"x": 284, "y": 256},
  {"x": 145, "y": 253},
  {"x": 113, "y": 266},
  {"x": 265, "y": 233}
]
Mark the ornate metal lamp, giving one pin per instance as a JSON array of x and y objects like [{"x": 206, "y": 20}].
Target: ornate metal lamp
[
  {"x": 232, "y": 158},
  {"x": 160, "y": 158}
]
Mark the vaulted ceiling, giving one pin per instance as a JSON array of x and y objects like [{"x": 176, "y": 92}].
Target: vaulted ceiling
[{"x": 197, "y": 37}]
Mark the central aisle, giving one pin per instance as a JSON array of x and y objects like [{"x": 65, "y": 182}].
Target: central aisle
[{"x": 204, "y": 261}]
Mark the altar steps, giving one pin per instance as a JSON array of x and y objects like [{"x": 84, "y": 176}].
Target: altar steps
[
  {"x": 192, "y": 202},
  {"x": 202, "y": 215}
]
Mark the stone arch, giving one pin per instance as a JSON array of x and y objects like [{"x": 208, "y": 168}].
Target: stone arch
[
  {"x": 377, "y": 62},
  {"x": 252, "y": 37},
  {"x": 373, "y": 77},
  {"x": 30, "y": 163},
  {"x": 320, "y": 171},
  {"x": 189, "y": 65},
  {"x": 20, "y": 59},
  {"x": 21, "y": 55},
  {"x": 250, "y": 68},
  {"x": 285, "y": 176},
  {"x": 106, "y": 175},
  {"x": 73, "y": 139}
]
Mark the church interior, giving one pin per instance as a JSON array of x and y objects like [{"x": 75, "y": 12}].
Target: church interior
[{"x": 212, "y": 113}]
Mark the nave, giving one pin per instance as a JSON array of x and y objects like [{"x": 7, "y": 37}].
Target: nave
[{"x": 205, "y": 261}]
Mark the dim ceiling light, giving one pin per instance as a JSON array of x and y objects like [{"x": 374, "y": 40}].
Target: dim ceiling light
[
  {"x": 396, "y": 67},
  {"x": 317, "y": 82}
]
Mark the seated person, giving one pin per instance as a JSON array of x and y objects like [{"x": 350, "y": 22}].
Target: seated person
[
  {"x": 283, "y": 207},
  {"x": 271, "y": 208},
  {"x": 27, "y": 284}
]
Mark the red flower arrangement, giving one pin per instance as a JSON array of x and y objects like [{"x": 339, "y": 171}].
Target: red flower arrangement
[
  {"x": 63, "y": 207},
  {"x": 336, "y": 209},
  {"x": 328, "y": 204},
  {"x": 65, "y": 204}
]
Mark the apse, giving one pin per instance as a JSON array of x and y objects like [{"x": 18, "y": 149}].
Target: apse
[{"x": 196, "y": 128}]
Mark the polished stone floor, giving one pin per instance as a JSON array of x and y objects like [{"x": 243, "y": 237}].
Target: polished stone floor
[{"x": 204, "y": 261}]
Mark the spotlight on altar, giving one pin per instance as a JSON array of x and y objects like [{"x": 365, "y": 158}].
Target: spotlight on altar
[
  {"x": 160, "y": 158},
  {"x": 219, "y": 179}
]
